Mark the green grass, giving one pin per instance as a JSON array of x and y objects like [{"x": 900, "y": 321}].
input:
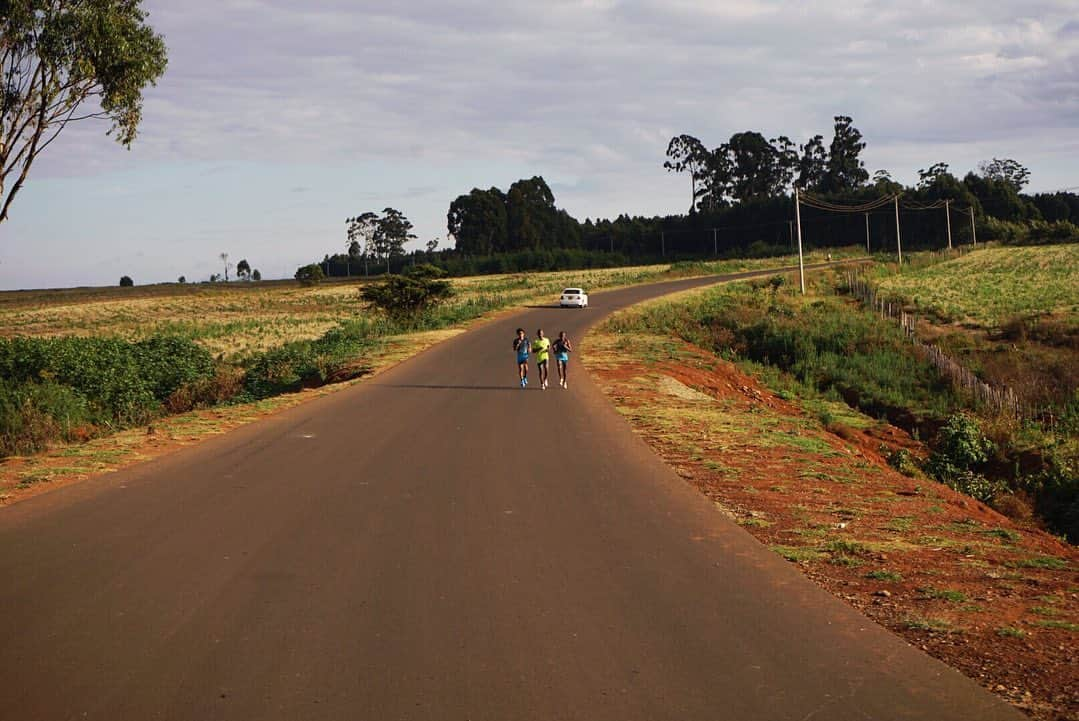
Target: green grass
[
  {"x": 1045, "y": 611},
  {"x": 798, "y": 554},
  {"x": 920, "y": 623},
  {"x": 883, "y": 575},
  {"x": 944, "y": 594},
  {"x": 1011, "y": 632},
  {"x": 1062, "y": 625},
  {"x": 987, "y": 287},
  {"x": 1051, "y": 563}
]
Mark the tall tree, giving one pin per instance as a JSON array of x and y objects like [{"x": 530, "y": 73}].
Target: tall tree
[
  {"x": 929, "y": 176},
  {"x": 225, "y": 259},
  {"x": 391, "y": 233},
  {"x": 813, "y": 164},
  {"x": 1007, "y": 171},
  {"x": 531, "y": 217},
  {"x": 686, "y": 153},
  {"x": 752, "y": 167},
  {"x": 360, "y": 232},
  {"x": 845, "y": 171},
  {"x": 63, "y": 61},
  {"x": 243, "y": 269},
  {"x": 478, "y": 222}
]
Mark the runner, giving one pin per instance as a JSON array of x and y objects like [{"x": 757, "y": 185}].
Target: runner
[
  {"x": 541, "y": 346},
  {"x": 521, "y": 345},
  {"x": 561, "y": 349}
]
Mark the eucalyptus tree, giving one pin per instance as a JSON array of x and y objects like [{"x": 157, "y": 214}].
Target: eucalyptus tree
[
  {"x": 360, "y": 232},
  {"x": 65, "y": 61},
  {"x": 687, "y": 153}
]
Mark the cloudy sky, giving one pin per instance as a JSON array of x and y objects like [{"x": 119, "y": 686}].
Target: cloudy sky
[{"x": 276, "y": 120}]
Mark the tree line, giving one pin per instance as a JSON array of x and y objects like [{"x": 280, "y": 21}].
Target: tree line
[{"x": 741, "y": 203}]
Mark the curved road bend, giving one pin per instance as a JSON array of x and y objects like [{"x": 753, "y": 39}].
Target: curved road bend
[{"x": 433, "y": 544}]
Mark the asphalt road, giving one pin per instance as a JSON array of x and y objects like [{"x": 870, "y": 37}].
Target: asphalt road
[{"x": 434, "y": 544}]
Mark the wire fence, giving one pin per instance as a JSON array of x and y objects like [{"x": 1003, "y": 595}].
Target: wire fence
[{"x": 998, "y": 399}]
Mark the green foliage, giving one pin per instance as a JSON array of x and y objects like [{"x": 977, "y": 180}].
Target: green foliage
[
  {"x": 405, "y": 297},
  {"x": 961, "y": 443},
  {"x": 33, "y": 414},
  {"x": 294, "y": 365},
  {"x": 960, "y": 449},
  {"x": 1055, "y": 487},
  {"x": 58, "y": 55},
  {"x": 126, "y": 282},
  {"x": 890, "y": 576},
  {"x": 904, "y": 461},
  {"x": 60, "y": 383},
  {"x": 310, "y": 274}
]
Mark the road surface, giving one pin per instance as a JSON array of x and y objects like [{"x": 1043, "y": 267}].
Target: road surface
[{"x": 433, "y": 544}]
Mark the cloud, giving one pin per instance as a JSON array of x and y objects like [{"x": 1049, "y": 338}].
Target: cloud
[{"x": 460, "y": 93}]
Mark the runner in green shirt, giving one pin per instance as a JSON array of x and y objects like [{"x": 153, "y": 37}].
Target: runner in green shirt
[{"x": 540, "y": 348}]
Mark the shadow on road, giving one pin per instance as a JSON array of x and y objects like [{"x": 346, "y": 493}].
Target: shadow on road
[{"x": 423, "y": 386}]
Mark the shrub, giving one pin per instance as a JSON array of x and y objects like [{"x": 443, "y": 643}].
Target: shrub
[
  {"x": 34, "y": 414},
  {"x": 960, "y": 445},
  {"x": 119, "y": 383},
  {"x": 295, "y": 365},
  {"x": 904, "y": 461},
  {"x": 224, "y": 385},
  {"x": 126, "y": 282},
  {"x": 405, "y": 297},
  {"x": 310, "y": 274},
  {"x": 959, "y": 449}
]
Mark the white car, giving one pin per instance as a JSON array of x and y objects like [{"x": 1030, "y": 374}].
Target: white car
[{"x": 573, "y": 297}]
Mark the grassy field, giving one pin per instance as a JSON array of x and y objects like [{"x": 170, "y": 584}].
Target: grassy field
[
  {"x": 235, "y": 320},
  {"x": 988, "y": 288}
]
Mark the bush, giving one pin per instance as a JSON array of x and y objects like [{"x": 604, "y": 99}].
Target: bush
[
  {"x": 118, "y": 383},
  {"x": 223, "y": 386},
  {"x": 126, "y": 282},
  {"x": 310, "y": 274},
  {"x": 959, "y": 450},
  {"x": 404, "y": 297},
  {"x": 296, "y": 365},
  {"x": 34, "y": 414},
  {"x": 904, "y": 461}
]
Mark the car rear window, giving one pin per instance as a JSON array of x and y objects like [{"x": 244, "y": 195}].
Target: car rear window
[{"x": 571, "y": 291}]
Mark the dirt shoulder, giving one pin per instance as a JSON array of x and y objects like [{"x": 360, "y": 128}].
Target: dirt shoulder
[{"x": 953, "y": 577}]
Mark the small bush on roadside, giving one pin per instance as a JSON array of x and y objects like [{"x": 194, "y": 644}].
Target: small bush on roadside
[
  {"x": 56, "y": 385},
  {"x": 34, "y": 414},
  {"x": 223, "y": 386}
]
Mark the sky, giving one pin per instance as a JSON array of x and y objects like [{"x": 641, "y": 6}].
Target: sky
[{"x": 276, "y": 120}]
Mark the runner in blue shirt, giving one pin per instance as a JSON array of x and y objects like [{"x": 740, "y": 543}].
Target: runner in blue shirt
[
  {"x": 562, "y": 348},
  {"x": 521, "y": 345}
]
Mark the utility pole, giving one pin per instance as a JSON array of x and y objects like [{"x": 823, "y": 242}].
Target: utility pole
[
  {"x": 798, "y": 218},
  {"x": 715, "y": 243},
  {"x": 973, "y": 232},
  {"x": 948, "y": 215},
  {"x": 898, "y": 241},
  {"x": 867, "y": 233}
]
